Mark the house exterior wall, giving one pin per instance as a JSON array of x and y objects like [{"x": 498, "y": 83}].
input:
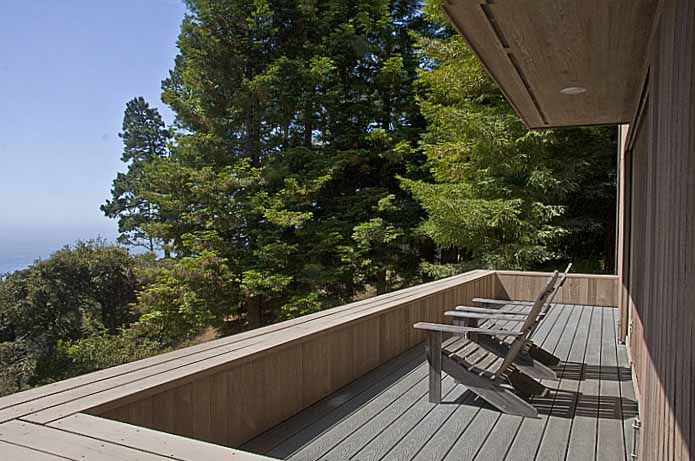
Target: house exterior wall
[{"x": 657, "y": 269}]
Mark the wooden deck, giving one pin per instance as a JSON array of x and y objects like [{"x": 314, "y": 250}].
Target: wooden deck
[{"x": 386, "y": 415}]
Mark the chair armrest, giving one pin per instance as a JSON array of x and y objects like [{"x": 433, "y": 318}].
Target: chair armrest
[
  {"x": 501, "y": 302},
  {"x": 461, "y": 331},
  {"x": 475, "y": 315},
  {"x": 484, "y": 310}
]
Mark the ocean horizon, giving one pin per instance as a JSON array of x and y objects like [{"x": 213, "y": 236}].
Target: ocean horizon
[{"x": 19, "y": 248}]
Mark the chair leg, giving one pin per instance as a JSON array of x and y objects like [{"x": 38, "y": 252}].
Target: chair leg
[{"x": 434, "y": 357}]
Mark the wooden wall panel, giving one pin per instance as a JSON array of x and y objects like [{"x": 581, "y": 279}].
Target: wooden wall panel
[
  {"x": 596, "y": 290},
  {"x": 624, "y": 229},
  {"x": 634, "y": 278},
  {"x": 248, "y": 396},
  {"x": 660, "y": 279}
]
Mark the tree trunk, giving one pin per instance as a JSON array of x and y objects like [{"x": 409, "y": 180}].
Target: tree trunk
[
  {"x": 253, "y": 312},
  {"x": 253, "y": 135},
  {"x": 253, "y": 124},
  {"x": 308, "y": 125},
  {"x": 381, "y": 283}
]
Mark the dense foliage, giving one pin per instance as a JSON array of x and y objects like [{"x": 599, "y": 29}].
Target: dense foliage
[
  {"x": 293, "y": 122},
  {"x": 503, "y": 196},
  {"x": 322, "y": 151},
  {"x": 48, "y": 309}
]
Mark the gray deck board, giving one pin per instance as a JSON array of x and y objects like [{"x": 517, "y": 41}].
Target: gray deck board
[
  {"x": 359, "y": 392},
  {"x": 582, "y": 443},
  {"x": 381, "y": 444},
  {"x": 440, "y": 444},
  {"x": 610, "y": 440},
  {"x": 470, "y": 441},
  {"x": 501, "y": 434},
  {"x": 342, "y": 425},
  {"x": 530, "y": 433},
  {"x": 349, "y": 447},
  {"x": 345, "y": 421},
  {"x": 12, "y": 452},
  {"x": 409, "y": 445},
  {"x": 505, "y": 431},
  {"x": 386, "y": 415},
  {"x": 383, "y": 424},
  {"x": 553, "y": 446}
]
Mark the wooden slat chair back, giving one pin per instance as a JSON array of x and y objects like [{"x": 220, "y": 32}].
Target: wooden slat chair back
[
  {"x": 533, "y": 360},
  {"x": 563, "y": 279},
  {"x": 529, "y": 325},
  {"x": 549, "y": 303},
  {"x": 501, "y": 303}
]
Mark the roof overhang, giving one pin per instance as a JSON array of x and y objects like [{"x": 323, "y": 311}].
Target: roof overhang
[{"x": 544, "y": 53}]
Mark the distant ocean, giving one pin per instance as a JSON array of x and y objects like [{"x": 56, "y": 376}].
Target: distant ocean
[{"x": 20, "y": 248}]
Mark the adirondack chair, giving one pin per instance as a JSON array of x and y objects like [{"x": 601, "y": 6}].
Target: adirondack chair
[
  {"x": 499, "y": 387},
  {"x": 501, "y": 303},
  {"x": 532, "y": 360}
]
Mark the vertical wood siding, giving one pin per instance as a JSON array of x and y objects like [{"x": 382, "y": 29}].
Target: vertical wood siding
[{"x": 660, "y": 276}]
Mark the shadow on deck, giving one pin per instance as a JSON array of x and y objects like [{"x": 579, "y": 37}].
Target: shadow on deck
[{"x": 587, "y": 413}]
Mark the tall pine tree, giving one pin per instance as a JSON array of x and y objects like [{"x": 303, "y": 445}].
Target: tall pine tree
[
  {"x": 294, "y": 120},
  {"x": 145, "y": 139}
]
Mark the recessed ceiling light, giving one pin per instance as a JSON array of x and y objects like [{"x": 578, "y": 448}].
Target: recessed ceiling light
[{"x": 573, "y": 90}]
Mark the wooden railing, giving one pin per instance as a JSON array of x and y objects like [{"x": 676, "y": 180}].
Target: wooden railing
[
  {"x": 232, "y": 389},
  {"x": 290, "y": 365}
]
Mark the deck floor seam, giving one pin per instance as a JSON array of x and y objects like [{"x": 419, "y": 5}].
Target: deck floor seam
[
  {"x": 37, "y": 450},
  {"x": 567, "y": 308},
  {"x": 408, "y": 390},
  {"x": 557, "y": 387},
  {"x": 579, "y": 383},
  {"x": 461, "y": 344}
]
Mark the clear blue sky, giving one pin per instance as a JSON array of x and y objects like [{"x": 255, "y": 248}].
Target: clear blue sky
[{"x": 67, "y": 69}]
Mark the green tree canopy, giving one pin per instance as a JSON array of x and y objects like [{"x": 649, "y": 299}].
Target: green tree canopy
[
  {"x": 293, "y": 122},
  {"x": 501, "y": 194},
  {"x": 78, "y": 292},
  {"x": 145, "y": 139}
]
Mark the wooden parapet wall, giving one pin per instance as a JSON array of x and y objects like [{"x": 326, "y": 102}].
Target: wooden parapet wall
[
  {"x": 231, "y": 398},
  {"x": 586, "y": 289}
]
